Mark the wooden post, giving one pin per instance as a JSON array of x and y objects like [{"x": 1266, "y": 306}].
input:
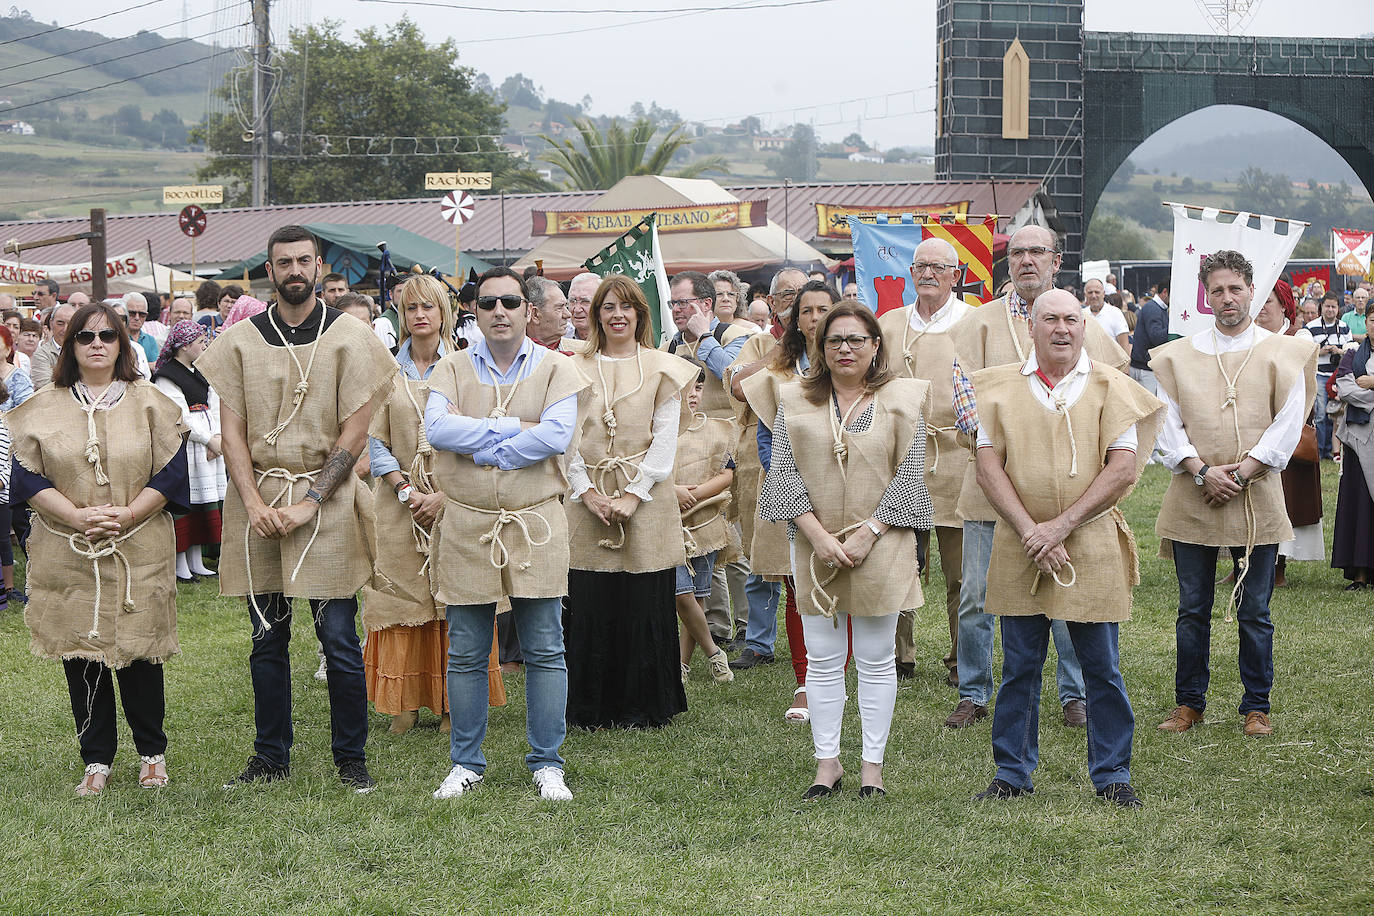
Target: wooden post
[{"x": 98, "y": 279}]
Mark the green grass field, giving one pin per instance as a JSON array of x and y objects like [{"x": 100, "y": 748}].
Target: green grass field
[{"x": 705, "y": 816}]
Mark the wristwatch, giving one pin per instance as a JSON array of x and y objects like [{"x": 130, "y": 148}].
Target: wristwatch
[
  {"x": 877, "y": 532},
  {"x": 1201, "y": 476},
  {"x": 315, "y": 497},
  {"x": 405, "y": 492}
]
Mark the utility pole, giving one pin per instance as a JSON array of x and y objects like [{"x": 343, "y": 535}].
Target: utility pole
[{"x": 262, "y": 46}]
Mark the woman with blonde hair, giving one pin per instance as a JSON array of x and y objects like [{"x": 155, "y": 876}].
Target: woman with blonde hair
[{"x": 406, "y": 655}]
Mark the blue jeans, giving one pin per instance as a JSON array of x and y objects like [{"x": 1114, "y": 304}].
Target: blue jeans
[
  {"x": 761, "y": 630},
  {"x": 539, "y": 622},
  {"x": 1324, "y": 424},
  {"x": 1196, "y": 567},
  {"x": 270, "y": 666},
  {"x": 1016, "y": 720},
  {"x": 976, "y": 628}
]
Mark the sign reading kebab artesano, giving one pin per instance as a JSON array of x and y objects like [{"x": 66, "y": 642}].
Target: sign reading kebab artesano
[
  {"x": 695, "y": 218},
  {"x": 133, "y": 264},
  {"x": 832, "y": 220},
  {"x": 181, "y": 195}
]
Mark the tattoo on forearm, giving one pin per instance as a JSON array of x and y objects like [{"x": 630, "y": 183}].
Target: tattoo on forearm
[{"x": 335, "y": 471}]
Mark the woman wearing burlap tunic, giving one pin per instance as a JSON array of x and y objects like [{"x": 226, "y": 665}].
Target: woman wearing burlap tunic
[
  {"x": 297, "y": 385},
  {"x": 406, "y": 653},
  {"x": 624, "y": 526},
  {"x": 791, "y": 359},
  {"x": 99, "y": 454},
  {"x": 845, "y": 470}
]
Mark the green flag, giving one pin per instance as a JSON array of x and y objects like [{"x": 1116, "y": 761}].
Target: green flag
[{"x": 636, "y": 254}]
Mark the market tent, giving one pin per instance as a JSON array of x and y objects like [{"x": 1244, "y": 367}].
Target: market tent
[
  {"x": 737, "y": 249},
  {"x": 351, "y": 248}
]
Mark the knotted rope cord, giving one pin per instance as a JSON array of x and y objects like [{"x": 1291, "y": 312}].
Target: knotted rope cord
[
  {"x": 609, "y": 466},
  {"x": 500, "y": 554},
  {"x": 821, "y": 600},
  {"x": 95, "y": 551},
  {"x": 303, "y": 386},
  {"x": 289, "y": 481},
  {"x": 502, "y": 402},
  {"x": 1015, "y": 341},
  {"x": 608, "y": 417},
  {"x": 421, "y": 472},
  {"x": 688, "y": 542},
  {"x": 1120, "y": 520},
  {"x": 89, "y": 405},
  {"x": 1242, "y": 564},
  {"x": 1061, "y": 407},
  {"x": 932, "y": 432},
  {"x": 837, "y": 431}
]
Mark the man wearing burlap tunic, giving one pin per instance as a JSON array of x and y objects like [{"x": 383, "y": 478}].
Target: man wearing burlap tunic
[
  {"x": 993, "y": 335},
  {"x": 923, "y": 348},
  {"x": 500, "y": 415},
  {"x": 1061, "y": 441},
  {"x": 1237, "y": 396},
  {"x": 297, "y": 387}
]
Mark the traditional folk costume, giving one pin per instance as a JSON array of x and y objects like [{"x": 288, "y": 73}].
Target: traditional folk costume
[
  {"x": 1053, "y": 442},
  {"x": 847, "y": 469},
  {"x": 503, "y": 534},
  {"x": 108, "y": 604},
  {"x": 406, "y": 654},
  {"x": 996, "y": 334},
  {"x": 705, "y": 448},
  {"x": 924, "y": 349},
  {"x": 1352, "y": 543},
  {"x": 1229, "y": 397},
  {"x": 294, "y": 388},
  {"x": 620, "y": 619}
]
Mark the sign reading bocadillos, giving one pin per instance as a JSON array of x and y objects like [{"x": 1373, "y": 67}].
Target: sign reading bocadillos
[
  {"x": 454, "y": 181},
  {"x": 181, "y": 195},
  {"x": 696, "y": 218},
  {"x": 832, "y": 220}
]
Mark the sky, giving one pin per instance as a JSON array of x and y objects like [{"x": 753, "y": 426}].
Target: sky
[{"x": 838, "y": 64}]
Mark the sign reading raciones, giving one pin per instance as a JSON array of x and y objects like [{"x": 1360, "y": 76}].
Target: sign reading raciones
[
  {"x": 457, "y": 181},
  {"x": 193, "y": 194}
]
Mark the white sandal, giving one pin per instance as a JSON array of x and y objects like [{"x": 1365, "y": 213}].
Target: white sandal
[
  {"x": 148, "y": 775},
  {"x": 797, "y": 713},
  {"x": 88, "y": 786}
]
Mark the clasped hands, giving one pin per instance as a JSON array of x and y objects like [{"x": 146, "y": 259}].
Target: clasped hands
[
  {"x": 847, "y": 553},
  {"x": 610, "y": 510},
  {"x": 100, "y": 522},
  {"x": 424, "y": 507},
  {"x": 1218, "y": 488},
  {"x": 1044, "y": 544},
  {"x": 276, "y": 523}
]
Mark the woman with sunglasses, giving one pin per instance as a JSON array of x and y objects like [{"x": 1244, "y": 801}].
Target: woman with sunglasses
[
  {"x": 100, "y": 455},
  {"x": 624, "y": 527},
  {"x": 847, "y": 457}
]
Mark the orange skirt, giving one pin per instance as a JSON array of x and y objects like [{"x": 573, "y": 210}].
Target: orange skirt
[{"x": 405, "y": 668}]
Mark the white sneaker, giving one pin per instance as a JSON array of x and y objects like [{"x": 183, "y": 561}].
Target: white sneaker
[
  {"x": 720, "y": 668},
  {"x": 322, "y": 672},
  {"x": 551, "y": 784},
  {"x": 458, "y": 781}
]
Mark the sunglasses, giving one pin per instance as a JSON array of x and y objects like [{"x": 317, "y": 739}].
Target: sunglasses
[
  {"x": 86, "y": 338},
  {"x": 509, "y": 303}
]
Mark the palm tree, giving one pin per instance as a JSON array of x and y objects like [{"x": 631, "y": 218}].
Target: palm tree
[{"x": 605, "y": 158}]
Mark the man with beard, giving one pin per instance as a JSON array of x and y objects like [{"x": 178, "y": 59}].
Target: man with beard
[
  {"x": 297, "y": 385},
  {"x": 1237, "y": 396},
  {"x": 332, "y": 287}
]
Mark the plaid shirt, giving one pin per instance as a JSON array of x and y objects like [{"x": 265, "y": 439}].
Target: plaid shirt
[{"x": 965, "y": 403}]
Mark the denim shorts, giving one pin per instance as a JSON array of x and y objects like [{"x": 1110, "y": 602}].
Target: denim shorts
[{"x": 695, "y": 577}]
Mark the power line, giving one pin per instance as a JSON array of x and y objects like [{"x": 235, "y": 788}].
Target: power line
[
  {"x": 58, "y": 28},
  {"x": 128, "y": 79},
  {"x": 755, "y": 5},
  {"x": 101, "y": 44}
]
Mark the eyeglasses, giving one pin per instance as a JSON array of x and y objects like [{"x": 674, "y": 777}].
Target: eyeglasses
[
  {"x": 921, "y": 267},
  {"x": 509, "y": 303},
  {"x": 138, "y": 314},
  {"x": 786, "y": 295},
  {"x": 86, "y": 338},
  {"x": 1034, "y": 251},
  {"x": 583, "y": 301},
  {"x": 683, "y": 303},
  {"x": 853, "y": 341}
]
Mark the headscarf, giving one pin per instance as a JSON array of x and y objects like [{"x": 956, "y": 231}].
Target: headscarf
[
  {"x": 1283, "y": 291},
  {"x": 244, "y": 307},
  {"x": 182, "y": 333}
]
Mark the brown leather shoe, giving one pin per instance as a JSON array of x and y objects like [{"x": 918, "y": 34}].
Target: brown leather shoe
[
  {"x": 1076, "y": 714},
  {"x": 965, "y": 714},
  {"x": 1257, "y": 724},
  {"x": 1181, "y": 719}
]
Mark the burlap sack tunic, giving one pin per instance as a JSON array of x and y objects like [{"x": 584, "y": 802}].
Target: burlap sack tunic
[
  {"x": 502, "y": 534},
  {"x": 399, "y": 593},
  {"x": 1198, "y": 387},
  {"x": 930, "y": 357},
  {"x": 770, "y": 554},
  {"x": 348, "y": 370},
  {"x": 704, "y": 446},
  {"x": 653, "y": 535},
  {"x": 1033, "y": 443},
  {"x": 886, "y": 582},
  {"x": 138, "y": 437},
  {"x": 989, "y": 336}
]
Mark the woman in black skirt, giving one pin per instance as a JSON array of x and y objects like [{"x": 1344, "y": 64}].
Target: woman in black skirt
[{"x": 1352, "y": 548}]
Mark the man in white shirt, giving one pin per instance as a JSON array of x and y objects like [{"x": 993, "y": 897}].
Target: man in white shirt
[
  {"x": 1225, "y": 491},
  {"x": 1108, "y": 315}
]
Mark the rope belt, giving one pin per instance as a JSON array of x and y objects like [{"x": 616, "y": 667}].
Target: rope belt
[
  {"x": 688, "y": 542},
  {"x": 422, "y": 471},
  {"x": 500, "y": 554},
  {"x": 95, "y": 551},
  {"x": 288, "y": 489},
  {"x": 932, "y": 432},
  {"x": 607, "y": 467},
  {"x": 1119, "y": 518},
  {"x": 821, "y": 600}
]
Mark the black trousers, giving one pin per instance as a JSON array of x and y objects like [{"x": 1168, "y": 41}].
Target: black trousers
[{"x": 93, "y": 707}]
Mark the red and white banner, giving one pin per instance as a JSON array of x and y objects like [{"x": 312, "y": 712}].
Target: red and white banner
[
  {"x": 1350, "y": 250},
  {"x": 121, "y": 267},
  {"x": 1197, "y": 234}
]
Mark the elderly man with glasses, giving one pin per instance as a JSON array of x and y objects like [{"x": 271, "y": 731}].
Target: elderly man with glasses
[{"x": 136, "y": 313}]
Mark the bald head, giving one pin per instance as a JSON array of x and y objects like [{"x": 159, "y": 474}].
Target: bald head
[{"x": 1056, "y": 328}]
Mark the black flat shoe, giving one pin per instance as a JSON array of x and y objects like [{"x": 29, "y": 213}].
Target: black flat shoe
[
  {"x": 1000, "y": 788},
  {"x": 871, "y": 792},
  {"x": 1357, "y": 586},
  {"x": 822, "y": 791},
  {"x": 188, "y": 580}
]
